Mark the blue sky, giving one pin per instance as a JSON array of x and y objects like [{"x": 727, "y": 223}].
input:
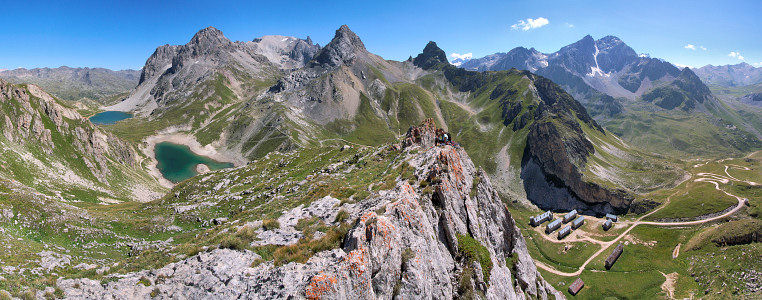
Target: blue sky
[{"x": 122, "y": 34}]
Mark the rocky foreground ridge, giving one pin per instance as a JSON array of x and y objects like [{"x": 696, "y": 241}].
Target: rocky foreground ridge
[{"x": 448, "y": 236}]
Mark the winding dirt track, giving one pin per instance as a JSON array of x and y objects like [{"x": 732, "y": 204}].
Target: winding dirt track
[{"x": 708, "y": 177}]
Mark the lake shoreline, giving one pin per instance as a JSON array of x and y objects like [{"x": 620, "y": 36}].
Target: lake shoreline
[{"x": 149, "y": 146}]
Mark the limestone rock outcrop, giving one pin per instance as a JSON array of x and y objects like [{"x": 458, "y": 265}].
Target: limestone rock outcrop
[{"x": 404, "y": 243}]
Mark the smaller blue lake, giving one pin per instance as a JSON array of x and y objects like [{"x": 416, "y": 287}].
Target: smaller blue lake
[
  {"x": 178, "y": 162},
  {"x": 109, "y": 117}
]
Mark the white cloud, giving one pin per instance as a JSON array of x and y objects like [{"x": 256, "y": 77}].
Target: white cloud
[
  {"x": 455, "y": 56},
  {"x": 530, "y": 24},
  {"x": 758, "y": 65},
  {"x": 736, "y": 54},
  {"x": 569, "y": 25},
  {"x": 702, "y": 48},
  {"x": 682, "y": 66},
  {"x": 689, "y": 46}
]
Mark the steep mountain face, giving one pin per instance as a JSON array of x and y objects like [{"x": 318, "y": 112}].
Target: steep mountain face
[
  {"x": 344, "y": 48},
  {"x": 432, "y": 55},
  {"x": 686, "y": 91},
  {"x": 173, "y": 73},
  {"x": 49, "y": 146},
  {"x": 606, "y": 65},
  {"x": 730, "y": 75},
  {"x": 530, "y": 59},
  {"x": 448, "y": 237},
  {"x": 286, "y": 52},
  {"x": 618, "y": 87},
  {"x": 74, "y": 84},
  {"x": 753, "y": 99},
  {"x": 347, "y": 93},
  {"x": 557, "y": 149}
]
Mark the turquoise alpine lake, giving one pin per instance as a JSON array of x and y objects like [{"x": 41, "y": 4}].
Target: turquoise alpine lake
[
  {"x": 109, "y": 117},
  {"x": 178, "y": 162}
]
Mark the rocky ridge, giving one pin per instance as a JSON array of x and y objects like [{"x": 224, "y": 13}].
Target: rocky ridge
[{"x": 407, "y": 242}]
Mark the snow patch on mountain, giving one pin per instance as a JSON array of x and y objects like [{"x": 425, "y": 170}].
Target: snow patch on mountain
[{"x": 596, "y": 71}]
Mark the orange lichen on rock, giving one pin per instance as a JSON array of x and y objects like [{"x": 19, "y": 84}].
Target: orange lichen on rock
[
  {"x": 405, "y": 206},
  {"x": 357, "y": 260},
  {"x": 320, "y": 285},
  {"x": 450, "y": 157}
]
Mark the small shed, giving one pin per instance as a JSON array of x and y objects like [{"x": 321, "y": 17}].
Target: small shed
[
  {"x": 552, "y": 226},
  {"x": 570, "y": 216},
  {"x": 614, "y": 256},
  {"x": 607, "y": 225},
  {"x": 564, "y": 232},
  {"x": 612, "y": 217},
  {"x": 576, "y": 286}
]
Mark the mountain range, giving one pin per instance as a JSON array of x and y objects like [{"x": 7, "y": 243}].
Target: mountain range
[
  {"x": 636, "y": 96},
  {"x": 247, "y": 99},
  {"x": 730, "y": 75},
  {"x": 340, "y": 188},
  {"x": 75, "y": 84}
]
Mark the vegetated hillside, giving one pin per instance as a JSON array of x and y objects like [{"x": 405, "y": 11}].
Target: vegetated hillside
[
  {"x": 76, "y": 84},
  {"x": 347, "y": 93},
  {"x": 638, "y": 97},
  {"x": 59, "y": 176},
  {"x": 48, "y": 146},
  {"x": 408, "y": 220}
]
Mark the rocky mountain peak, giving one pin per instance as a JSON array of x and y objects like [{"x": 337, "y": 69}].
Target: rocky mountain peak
[
  {"x": 158, "y": 62},
  {"x": 431, "y": 56},
  {"x": 614, "y": 54},
  {"x": 343, "y": 49},
  {"x": 206, "y": 40},
  {"x": 692, "y": 84}
]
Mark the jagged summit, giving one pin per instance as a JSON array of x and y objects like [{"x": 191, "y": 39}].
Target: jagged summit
[
  {"x": 285, "y": 51},
  {"x": 432, "y": 55},
  {"x": 206, "y": 40},
  {"x": 343, "y": 49}
]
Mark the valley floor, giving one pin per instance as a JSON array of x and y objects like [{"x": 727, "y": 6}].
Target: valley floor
[{"x": 718, "y": 191}]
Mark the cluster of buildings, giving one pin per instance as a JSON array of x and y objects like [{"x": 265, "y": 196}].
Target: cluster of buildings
[
  {"x": 610, "y": 219},
  {"x": 576, "y": 222},
  {"x": 573, "y": 217}
]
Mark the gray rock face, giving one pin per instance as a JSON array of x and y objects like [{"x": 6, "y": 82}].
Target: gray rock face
[
  {"x": 285, "y": 52},
  {"x": 408, "y": 251},
  {"x": 158, "y": 61},
  {"x": 343, "y": 49},
  {"x": 35, "y": 105},
  {"x": 173, "y": 70}
]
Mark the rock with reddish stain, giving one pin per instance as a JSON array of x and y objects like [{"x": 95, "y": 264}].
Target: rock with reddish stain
[{"x": 408, "y": 250}]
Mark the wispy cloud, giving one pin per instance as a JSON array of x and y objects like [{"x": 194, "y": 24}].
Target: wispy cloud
[
  {"x": 458, "y": 59},
  {"x": 702, "y": 48},
  {"x": 455, "y": 56},
  {"x": 689, "y": 46},
  {"x": 758, "y": 65},
  {"x": 569, "y": 25},
  {"x": 682, "y": 66},
  {"x": 530, "y": 24},
  {"x": 736, "y": 55}
]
